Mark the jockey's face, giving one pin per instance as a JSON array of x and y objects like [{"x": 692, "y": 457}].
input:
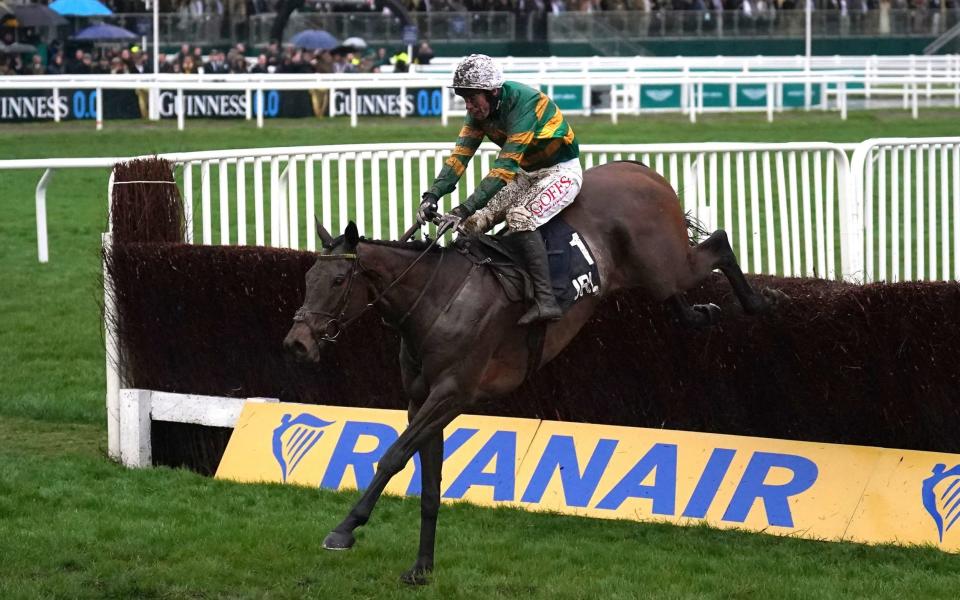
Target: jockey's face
[{"x": 477, "y": 105}]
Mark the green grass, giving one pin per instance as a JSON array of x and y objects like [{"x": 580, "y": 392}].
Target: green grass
[{"x": 73, "y": 524}]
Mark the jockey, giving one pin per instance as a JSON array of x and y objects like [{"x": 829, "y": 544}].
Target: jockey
[{"x": 535, "y": 176}]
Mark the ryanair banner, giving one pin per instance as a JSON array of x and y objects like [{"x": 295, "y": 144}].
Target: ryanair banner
[{"x": 818, "y": 491}]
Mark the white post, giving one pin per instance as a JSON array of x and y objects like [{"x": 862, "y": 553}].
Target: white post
[
  {"x": 444, "y": 107},
  {"x": 112, "y": 355},
  {"x": 769, "y": 102},
  {"x": 260, "y": 108},
  {"x": 403, "y": 101},
  {"x": 843, "y": 100},
  {"x": 353, "y": 107},
  {"x": 180, "y": 109},
  {"x": 56, "y": 105},
  {"x": 248, "y": 110},
  {"x": 156, "y": 40},
  {"x": 43, "y": 249},
  {"x": 135, "y": 443},
  {"x": 808, "y": 46},
  {"x": 99, "y": 109},
  {"x": 613, "y": 104}
]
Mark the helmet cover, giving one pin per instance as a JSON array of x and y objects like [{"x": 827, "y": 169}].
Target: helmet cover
[{"x": 478, "y": 72}]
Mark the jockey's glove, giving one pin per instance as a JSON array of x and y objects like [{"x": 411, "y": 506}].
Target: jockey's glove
[
  {"x": 453, "y": 218},
  {"x": 428, "y": 208}
]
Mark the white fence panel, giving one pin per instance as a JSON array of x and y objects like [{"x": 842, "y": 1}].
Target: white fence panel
[
  {"x": 910, "y": 193},
  {"x": 781, "y": 220}
]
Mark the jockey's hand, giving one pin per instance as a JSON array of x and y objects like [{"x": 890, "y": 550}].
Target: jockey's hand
[
  {"x": 453, "y": 218},
  {"x": 428, "y": 208}
]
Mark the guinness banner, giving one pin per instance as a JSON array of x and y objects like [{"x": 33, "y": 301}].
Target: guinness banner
[{"x": 39, "y": 105}]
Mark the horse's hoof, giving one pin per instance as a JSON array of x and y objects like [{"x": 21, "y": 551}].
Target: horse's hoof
[
  {"x": 774, "y": 296},
  {"x": 417, "y": 575},
  {"x": 338, "y": 540},
  {"x": 709, "y": 312}
]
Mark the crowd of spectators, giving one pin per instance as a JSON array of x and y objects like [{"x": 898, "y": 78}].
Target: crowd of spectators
[
  {"x": 923, "y": 16},
  {"x": 192, "y": 60}
]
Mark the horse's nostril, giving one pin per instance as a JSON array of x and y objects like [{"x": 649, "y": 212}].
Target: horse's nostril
[{"x": 298, "y": 348}]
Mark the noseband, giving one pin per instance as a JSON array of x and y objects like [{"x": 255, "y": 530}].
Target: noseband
[{"x": 335, "y": 324}]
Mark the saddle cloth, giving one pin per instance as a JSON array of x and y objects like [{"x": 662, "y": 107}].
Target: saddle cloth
[{"x": 573, "y": 270}]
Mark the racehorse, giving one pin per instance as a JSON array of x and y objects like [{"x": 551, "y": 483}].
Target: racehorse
[{"x": 460, "y": 343}]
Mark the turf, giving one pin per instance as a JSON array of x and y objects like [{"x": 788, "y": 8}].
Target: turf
[{"x": 72, "y": 524}]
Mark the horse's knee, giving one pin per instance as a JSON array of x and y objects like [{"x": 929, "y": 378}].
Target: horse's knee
[{"x": 392, "y": 462}]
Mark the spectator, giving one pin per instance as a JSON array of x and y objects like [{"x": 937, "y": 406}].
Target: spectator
[
  {"x": 117, "y": 66},
  {"x": 165, "y": 65},
  {"x": 77, "y": 66},
  {"x": 261, "y": 66},
  {"x": 188, "y": 66},
  {"x": 423, "y": 54},
  {"x": 216, "y": 65},
  {"x": 36, "y": 66},
  {"x": 56, "y": 66},
  {"x": 184, "y": 52},
  {"x": 238, "y": 65}
]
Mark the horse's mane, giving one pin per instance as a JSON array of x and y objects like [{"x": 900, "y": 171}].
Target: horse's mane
[{"x": 417, "y": 245}]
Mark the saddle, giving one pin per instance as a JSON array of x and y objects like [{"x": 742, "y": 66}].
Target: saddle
[
  {"x": 573, "y": 272},
  {"x": 496, "y": 254}
]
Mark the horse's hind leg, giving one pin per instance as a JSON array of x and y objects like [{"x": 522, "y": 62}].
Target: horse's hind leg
[
  {"x": 715, "y": 253},
  {"x": 698, "y": 315}
]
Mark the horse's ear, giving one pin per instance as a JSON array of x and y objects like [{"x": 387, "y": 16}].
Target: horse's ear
[
  {"x": 325, "y": 238},
  {"x": 351, "y": 235}
]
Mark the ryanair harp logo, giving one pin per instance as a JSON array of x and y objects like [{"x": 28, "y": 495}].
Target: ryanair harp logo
[
  {"x": 294, "y": 438},
  {"x": 941, "y": 497}
]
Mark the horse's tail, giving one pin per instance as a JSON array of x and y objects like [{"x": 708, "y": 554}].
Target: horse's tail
[{"x": 695, "y": 228}]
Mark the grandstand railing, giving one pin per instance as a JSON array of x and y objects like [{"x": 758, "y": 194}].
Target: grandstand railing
[
  {"x": 635, "y": 25},
  {"x": 639, "y": 25}
]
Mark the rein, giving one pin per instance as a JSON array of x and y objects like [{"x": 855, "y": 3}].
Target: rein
[{"x": 335, "y": 324}]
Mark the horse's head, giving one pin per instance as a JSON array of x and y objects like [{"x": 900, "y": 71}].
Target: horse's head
[{"x": 330, "y": 293}]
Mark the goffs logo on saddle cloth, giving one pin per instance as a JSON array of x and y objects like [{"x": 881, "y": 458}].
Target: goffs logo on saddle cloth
[{"x": 804, "y": 489}]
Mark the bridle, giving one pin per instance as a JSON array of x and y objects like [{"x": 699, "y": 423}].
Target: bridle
[{"x": 335, "y": 323}]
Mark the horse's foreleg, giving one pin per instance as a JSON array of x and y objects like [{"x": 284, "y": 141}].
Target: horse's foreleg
[
  {"x": 431, "y": 463},
  {"x": 440, "y": 408},
  {"x": 716, "y": 253}
]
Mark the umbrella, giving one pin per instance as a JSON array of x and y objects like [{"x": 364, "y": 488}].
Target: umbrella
[
  {"x": 80, "y": 8},
  {"x": 314, "y": 39},
  {"x": 37, "y": 15},
  {"x": 102, "y": 31},
  {"x": 355, "y": 43},
  {"x": 17, "y": 48}
]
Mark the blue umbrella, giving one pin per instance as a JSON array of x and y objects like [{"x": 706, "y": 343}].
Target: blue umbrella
[
  {"x": 314, "y": 39},
  {"x": 80, "y": 8},
  {"x": 102, "y": 31}
]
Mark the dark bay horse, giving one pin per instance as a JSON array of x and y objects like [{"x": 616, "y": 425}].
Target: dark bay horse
[{"x": 460, "y": 341}]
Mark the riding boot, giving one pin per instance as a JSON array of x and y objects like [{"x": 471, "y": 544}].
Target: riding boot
[{"x": 534, "y": 252}]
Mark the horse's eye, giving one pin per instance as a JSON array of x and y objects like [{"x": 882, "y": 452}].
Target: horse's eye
[{"x": 339, "y": 279}]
